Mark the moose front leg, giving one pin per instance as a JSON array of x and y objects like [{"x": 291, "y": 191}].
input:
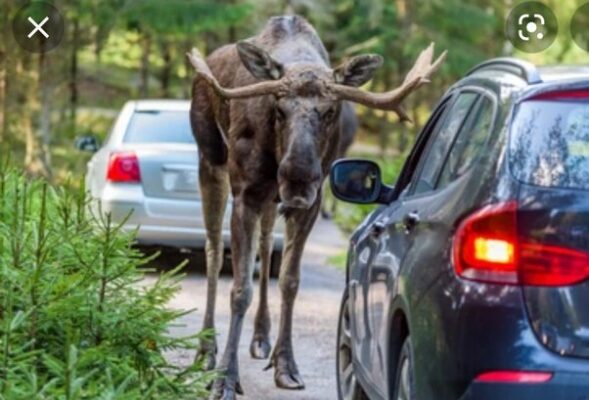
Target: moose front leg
[
  {"x": 260, "y": 346},
  {"x": 214, "y": 184},
  {"x": 244, "y": 220},
  {"x": 298, "y": 225}
]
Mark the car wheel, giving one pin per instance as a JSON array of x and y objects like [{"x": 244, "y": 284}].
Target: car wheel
[
  {"x": 348, "y": 387},
  {"x": 275, "y": 262},
  {"x": 405, "y": 379}
]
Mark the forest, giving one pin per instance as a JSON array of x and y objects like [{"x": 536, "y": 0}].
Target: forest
[{"x": 116, "y": 50}]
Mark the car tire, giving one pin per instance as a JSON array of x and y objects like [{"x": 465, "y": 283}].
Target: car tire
[
  {"x": 405, "y": 376},
  {"x": 348, "y": 387},
  {"x": 275, "y": 263}
]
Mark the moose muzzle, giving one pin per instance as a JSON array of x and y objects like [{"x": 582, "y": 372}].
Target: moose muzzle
[{"x": 299, "y": 181}]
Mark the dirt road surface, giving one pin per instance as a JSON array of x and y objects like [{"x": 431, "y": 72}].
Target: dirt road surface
[{"x": 315, "y": 322}]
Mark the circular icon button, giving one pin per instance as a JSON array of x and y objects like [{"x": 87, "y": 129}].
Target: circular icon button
[
  {"x": 531, "y": 27},
  {"x": 38, "y": 27},
  {"x": 579, "y": 27}
]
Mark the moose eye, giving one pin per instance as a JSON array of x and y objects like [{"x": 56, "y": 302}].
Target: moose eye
[{"x": 328, "y": 114}]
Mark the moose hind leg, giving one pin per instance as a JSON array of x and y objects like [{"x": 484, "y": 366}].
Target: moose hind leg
[
  {"x": 260, "y": 346},
  {"x": 214, "y": 184}
]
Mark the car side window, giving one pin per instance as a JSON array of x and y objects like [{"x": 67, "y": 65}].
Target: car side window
[
  {"x": 470, "y": 141},
  {"x": 433, "y": 124},
  {"x": 439, "y": 143}
]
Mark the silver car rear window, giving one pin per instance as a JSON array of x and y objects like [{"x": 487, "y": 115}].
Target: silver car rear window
[{"x": 159, "y": 127}]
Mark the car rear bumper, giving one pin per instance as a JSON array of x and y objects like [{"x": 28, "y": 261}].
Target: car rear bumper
[
  {"x": 483, "y": 328},
  {"x": 563, "y": 386},
  {"x": 162, "y": 222},
  {"x": 175, "y": 236}
]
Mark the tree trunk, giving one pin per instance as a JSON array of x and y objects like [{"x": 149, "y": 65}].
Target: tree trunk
[
  {"x": 166, "y": 72},
  {"x": 287, "y": 7},
  {"x": 38, "y": 158},
  {"x": 384, "y": 127},
  {"x": 73, "y": 84},
  {"x": 144, "y": 71},
  {"x": 187, "y": 88},
  {"x": 2, "y": 94},
  {"x": 26, "y": 104},
  {"x": 3, "y": 67},
  {"x": 404, "y": 20}
]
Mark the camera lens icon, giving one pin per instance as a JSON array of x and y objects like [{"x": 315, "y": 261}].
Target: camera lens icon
[{"x": 531, "y": 27}]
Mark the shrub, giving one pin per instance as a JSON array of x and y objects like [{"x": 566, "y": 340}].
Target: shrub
[{"x": 76, "y": 319}]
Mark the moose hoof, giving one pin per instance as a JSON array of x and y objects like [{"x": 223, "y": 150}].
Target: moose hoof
[
  {"x": 224, "y": 389},
  {"x": 260, "y": 348},
  {"x": 286, "y": 373},
  {"x": 289, "y": 380},
  {"x": 206, "y": 359}
]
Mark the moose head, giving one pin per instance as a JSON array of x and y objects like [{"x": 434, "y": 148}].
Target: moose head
[{"x": 306, "y": 103}]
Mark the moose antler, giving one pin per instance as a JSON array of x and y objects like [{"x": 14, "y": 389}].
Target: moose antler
[
  {"x": 391, "y": 100},
  {"x": 256, "y": 89}
]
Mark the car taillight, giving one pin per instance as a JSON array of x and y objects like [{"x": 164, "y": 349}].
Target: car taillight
[
  {"x": 485, "y": 245},
  {"x": 563, "y": 95},
  {"x": 514, "y": 377},
  {"x": 123, "y": 167},
  {"x": 544, "y": 265},
  {"x": 487, "y": 248}
]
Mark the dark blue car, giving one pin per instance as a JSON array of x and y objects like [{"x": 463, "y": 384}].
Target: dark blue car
[{"x": 471, "y": 281}]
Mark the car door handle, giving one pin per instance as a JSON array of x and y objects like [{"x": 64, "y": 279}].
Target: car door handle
[
  {"x": 410, "y": 220},
  {"x": 377, "y": 228}
]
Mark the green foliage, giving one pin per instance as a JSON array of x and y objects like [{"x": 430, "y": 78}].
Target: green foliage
[
  {"x": 76, "y": 320},
  {"x": 183, "y": 16},
  {"x": 338, "y": 260}
]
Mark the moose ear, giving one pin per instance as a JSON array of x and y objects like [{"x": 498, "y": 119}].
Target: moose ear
[
  {"x": 357, "y": 70},
  {"x": 258, "y": 62}
]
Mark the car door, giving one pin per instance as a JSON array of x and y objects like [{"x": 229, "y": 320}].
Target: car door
[
  {"x": 369, "y": 257},
  {"x": 393, "y": 230},
  {"x": 424, "y": 220}
]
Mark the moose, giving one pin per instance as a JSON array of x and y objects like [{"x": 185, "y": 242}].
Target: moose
[{"x": 266, "y": 116}]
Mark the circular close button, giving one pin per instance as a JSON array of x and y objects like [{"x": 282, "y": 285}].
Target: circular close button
[
  {"x": 38, "y": 27},
  {"x": 531, "y": 27},
  {"x": 580, "y": 27}
]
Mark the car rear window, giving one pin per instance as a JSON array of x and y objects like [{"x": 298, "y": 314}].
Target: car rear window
[
  {"x": 549, "y": 144},
  {"x": 159, "y": 127}
]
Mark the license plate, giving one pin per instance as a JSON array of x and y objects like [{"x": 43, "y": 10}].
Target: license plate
[{"x": 185, "y": 180}]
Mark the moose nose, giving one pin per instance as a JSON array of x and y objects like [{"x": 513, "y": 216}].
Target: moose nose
[{"x": 292, "y": 171}]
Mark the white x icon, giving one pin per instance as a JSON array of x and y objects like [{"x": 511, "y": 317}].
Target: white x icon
[{"x": 38, "y": 27}]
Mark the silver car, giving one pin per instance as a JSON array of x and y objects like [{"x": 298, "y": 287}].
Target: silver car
[{"x": 147, "y": 170}]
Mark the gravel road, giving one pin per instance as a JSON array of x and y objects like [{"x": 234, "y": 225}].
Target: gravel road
[{"x": 315, "y": 321}]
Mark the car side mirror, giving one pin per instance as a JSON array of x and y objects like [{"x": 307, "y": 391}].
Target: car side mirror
[
  {"x": 358, "y": 181},
  {"x": 88, "y": 143}
]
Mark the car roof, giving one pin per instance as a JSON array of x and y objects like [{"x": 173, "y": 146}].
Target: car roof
[
  {"x": 556, "y": 73},
  {"x": 527, "y": 77},
  {"x": 161, "y": 105}
]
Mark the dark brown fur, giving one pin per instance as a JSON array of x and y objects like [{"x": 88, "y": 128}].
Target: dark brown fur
[{"x": 267, "y": 157}]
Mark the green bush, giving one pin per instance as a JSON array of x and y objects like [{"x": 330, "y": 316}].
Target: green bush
[{"x": 77, "y": 321}]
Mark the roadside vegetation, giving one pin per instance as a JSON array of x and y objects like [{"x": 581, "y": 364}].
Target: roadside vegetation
[
  {"x": 76, "y": 320},
  {"x": 116, "y": 50}
]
